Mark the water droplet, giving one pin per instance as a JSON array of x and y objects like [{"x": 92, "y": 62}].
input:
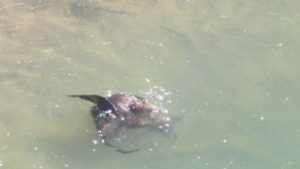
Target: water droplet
[{"x": 95, "y": 142}]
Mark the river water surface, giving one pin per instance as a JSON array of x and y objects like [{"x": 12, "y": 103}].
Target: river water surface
[{"x": 229, "y": 69}]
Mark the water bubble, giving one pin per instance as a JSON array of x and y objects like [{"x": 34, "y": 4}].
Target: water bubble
[
  {"x": 109, "y": 93},
  {"x": 95, "y": 142}
]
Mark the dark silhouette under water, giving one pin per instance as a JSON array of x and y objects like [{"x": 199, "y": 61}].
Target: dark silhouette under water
[{"x": 126, "y": 111}]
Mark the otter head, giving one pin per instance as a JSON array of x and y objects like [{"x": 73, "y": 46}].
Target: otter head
[{"x": 102, "y": 117}]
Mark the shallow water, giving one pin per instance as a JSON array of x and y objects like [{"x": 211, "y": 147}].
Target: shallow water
[{"x": 232, "y": 68}]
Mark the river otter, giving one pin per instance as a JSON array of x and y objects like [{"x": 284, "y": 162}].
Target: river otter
[{"x": 123, "y": 111}]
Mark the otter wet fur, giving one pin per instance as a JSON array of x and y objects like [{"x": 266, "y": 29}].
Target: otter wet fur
[{"x": 126, "y": 111}]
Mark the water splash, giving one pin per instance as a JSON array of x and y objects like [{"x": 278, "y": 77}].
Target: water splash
[{"x": 159, "y": 96}]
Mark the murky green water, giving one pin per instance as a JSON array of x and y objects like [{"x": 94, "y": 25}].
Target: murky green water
[{"x": 232, "y": 67}]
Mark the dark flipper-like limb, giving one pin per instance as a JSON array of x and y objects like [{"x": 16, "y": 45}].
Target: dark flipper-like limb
[
  {"x": 118, "y": 149},
  {"x": 101, "y": 102},
  {"x": 121, "y": 150}
]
